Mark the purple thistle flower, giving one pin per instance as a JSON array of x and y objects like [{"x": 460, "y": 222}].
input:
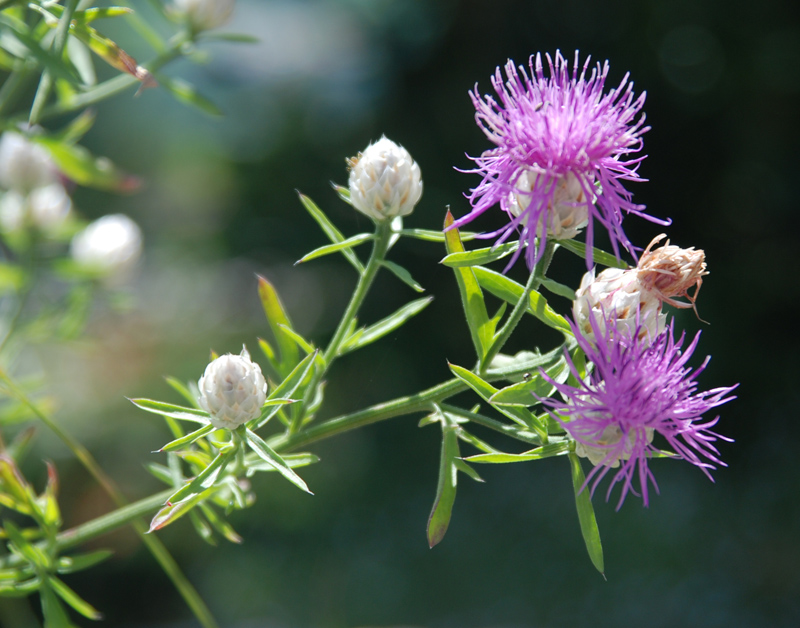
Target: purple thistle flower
[
  {"x": 638, "y": 388},
  {"x": 562, "y": 149}
]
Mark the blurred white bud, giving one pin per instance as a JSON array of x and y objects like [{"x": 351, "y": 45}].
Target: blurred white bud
[
  {"x": 567, "y": 214},
  {"x": 385, "y": 182},
  {"x": 611, "y": 436},
  {"x": 24, "y": 165},
  {"x": 204, "y": 15},
  {"x": 617, "y": 295},
  {"x": 232, "y": 390},
  {"x": 110, "y": 244},
  {"x": 45, "y": 208}
]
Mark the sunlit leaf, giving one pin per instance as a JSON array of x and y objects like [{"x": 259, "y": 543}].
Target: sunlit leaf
[
  {"x": 599, "y": 257},
  {"x": 586, "y": 518},
  {"x": 168, "y": 409},
  {"x": 385, "y": 326},
  {"x": 334, "y": 235},
  {"x": 545, "y": 451},
  {"x": 403, "y": 275},
  {"x": 278, "y": 319},
  {"x": 478, "y": 257},
  {"x": 439, "y": 519},
  {"x": 73, "y": 599},
  {"x": 346, "y": 244},
  {"x": 270, "y": 457}
]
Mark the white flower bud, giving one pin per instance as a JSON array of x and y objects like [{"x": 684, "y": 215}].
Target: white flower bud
[
  {"x": 568, "y": 213},
  {"x": 204, "y": 15},
  {"x": 385, "y": 182},
  {"x": 618, "y": 295},
  {"x": 110, "y": 244},
  {"x": 24, "y": 165},
  {"x": 232, "y": 390},
  {"x": 44, "y": 208},
  {"x": 611, "y": 436}
]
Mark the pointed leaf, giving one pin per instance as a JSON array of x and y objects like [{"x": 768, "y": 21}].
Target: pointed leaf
[
  {"x": 301, "y": 342},
  {"x": 385, "y": 326},
  {"x": 175, "y": 510},
  {"x": 523, "y": 416},
  {"x": 183, "y": 441},
  {"x": 403, "y": 275},
  {"x": 347, "y": 244},
  {"x": 559, "y": 289},
  {"x": 480, "y": 328},
  {"x": 588, "y": 522},
  {"x": 81, "y": 166},
  {"x": 479, "y": 257},
  {"x": 219, "y": 524},
  {"x": 465, "y": 468},
  {"x": 545, "y": 451},
  {"x": 55, "y": 616},
  {"x": 435, "y": 236},
  {"x": 78, "y": 562},
  {"x": 74, "y": 600},
  {"x": 528, "y": 392},
  {"x": 439, "y": 519},
  {"x": 285, "y": 390},
  {"x": 205, "y": 479},
  {"x": 271, "y": 458},
  {"x": 188, "y": 94},
  {"x": 334, "y": 235},
  {"x": 509, "y": 290},
  {"x": 599, "y": 257},
  {"x": 171, "y": 410},
  {"x": 276, "y": 316}
]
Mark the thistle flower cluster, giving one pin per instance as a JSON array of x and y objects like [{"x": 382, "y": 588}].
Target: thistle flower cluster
[
  {"x": 563, "y": 146},
  {"x": 639, "y": 386}
]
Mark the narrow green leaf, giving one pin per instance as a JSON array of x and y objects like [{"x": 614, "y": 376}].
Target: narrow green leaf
[
  {"x": 50, "y": 511},
  {"x": 402, "y": 274},
  {"x": 528, "y": 392},
  {"x": 285, "y": 390},
  {"x": 171, "y": 410},
  {"x": 81, "y": 166},
  {"x": 183, "y": 441},
  {"x": 202, "y": 527},
  {"x": 343, "y": 192},
  {"x": 32, "y": 553},
  {"x": 79, "y": 562},
  {"x": 304, "y": 344},
  {"x": 74, "y": 600},
  {"x": 478, "y": 257},
  {"x": 174, "y": 511},
  {"x": 439, "y": 519},
  {"x": 435, "y": 236},
  {"x": 270, "y": 457},
  {"x": 55, "y": 616},
  {"x": 599, "y": 257},
  {"x": 480, "y": 328},
  {"x": 385, "y": 326},
  {"x": 334, "y": 235},
  {"x": 539, "y": 453},
  {"x": 522, "y": 416},
  {"x": 219, "y": 524},
  {"x": 20, "y": 589},
  {"x": 509, "y": 290},
  {"x": 51, "y": 62},
  {"x": 276, "y": 317},
  {"x": 269, "y": 353},
  {"x": 234, "y": 38},
  {"x": 465, "y": 468},
  {"x": 187, "y": 93},
  {"x": 347, "y": 244},
  {"x": 182, "y": 390},
  {"x": 203, "y": 480},
  {"x": 76, "y": 129},
  {"x": 559, "y": 288},
  {"x": 588, "y": 522}
]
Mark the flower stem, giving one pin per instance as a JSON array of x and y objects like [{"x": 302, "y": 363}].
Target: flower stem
[
  {"x": 383, "y": 233},
  {"x": 522, "y": 306}
]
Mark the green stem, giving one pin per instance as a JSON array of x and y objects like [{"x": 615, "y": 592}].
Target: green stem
[
  {"x": 112, "y": 86},
  {"x": 419, "y": 402},
  {"x": 383, "y": 233},
  {"x": 153, "y": 544},
  {"x": 46, "y": 82},
  {"x": 522, "y": 306}
]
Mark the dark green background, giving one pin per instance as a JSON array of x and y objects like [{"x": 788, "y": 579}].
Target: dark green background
[{"x": 722, "y": 81}]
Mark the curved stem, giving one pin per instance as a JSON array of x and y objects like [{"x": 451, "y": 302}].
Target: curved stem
[
  {"x": 534, "y": 281},
  {"x": 383, "y": 234}
]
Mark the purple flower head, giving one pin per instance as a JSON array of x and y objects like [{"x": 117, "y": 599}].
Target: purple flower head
[
  {"x": 639, "y": 387},
  {"x": 562, "y": 149}
]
